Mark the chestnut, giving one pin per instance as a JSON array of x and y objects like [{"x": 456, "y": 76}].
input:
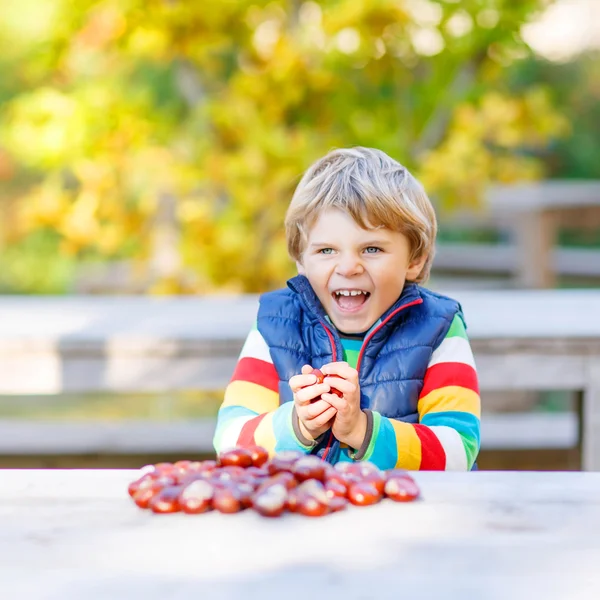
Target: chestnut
[
  {"x": 196, "y": 497},
  {"x": 363, "y": 494},
  {"x": 321, "y": 377},
  {"x": 167, "y": 500},
  {"x": 309, "y": 467},
  {"x": 309, "y": 506},
  {"x": 259, "y": 455},
  {"x": 292, "y": 500},
  {"x": 401, "y": 489},
  {"x": 271, "y": 501},
  {"x": 377, "y": 479},
  {"x": 227, "y": 499},
  {"x": 237, "y": 457},
  {"x": 144, "y": 495},
  {"x": 284, "y": 461},
  {"x": 314, "y": 489},
  {"x": 335, "y": 489},
  {"x": 337, "y": 503},
  {"x": 284, "y": 478}
]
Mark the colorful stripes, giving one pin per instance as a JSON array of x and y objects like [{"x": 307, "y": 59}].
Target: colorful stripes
[
  {"x": 250, "y": 413},
  {"x": 449, "y": 407},
  {"x": 445, "y": 438}
]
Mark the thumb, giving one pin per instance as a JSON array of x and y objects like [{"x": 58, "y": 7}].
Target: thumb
[{"x": 306, "y": 370}]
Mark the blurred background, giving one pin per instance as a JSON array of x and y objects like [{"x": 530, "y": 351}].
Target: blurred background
[{"x": 151, "y": 149}]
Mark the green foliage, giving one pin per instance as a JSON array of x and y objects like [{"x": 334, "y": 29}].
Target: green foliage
[{"x": 110, "y": 105}]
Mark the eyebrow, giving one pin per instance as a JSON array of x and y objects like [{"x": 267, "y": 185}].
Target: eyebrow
[{"x": 367, "y": 243}]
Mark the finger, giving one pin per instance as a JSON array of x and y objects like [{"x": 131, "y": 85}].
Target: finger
[
  {"x": 306, "y": 394},
  {"x": 314, "y": 409},
  {"x": 297, "y": 382},
  {"x": 345, "y": 386},
  {"x": 342, "y": 369},
  {"x": 306, "y": 370},
  {"x": 324, "y": 418},
  {"x": 340, "y": 404}
]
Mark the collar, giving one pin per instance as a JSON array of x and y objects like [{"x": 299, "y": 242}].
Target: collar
[{"x": 302, "y": 287}]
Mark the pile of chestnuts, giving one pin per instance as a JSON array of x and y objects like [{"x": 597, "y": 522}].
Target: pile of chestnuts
[{"x": 244, "y": 478}]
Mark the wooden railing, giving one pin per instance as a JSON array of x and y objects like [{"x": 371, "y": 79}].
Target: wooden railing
[{"x": 536, "y": 340}]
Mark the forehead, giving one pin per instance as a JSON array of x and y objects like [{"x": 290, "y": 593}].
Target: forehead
[{"x": 334, "y": 222}]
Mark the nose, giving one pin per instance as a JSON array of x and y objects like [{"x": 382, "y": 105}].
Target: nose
[{"x": 349, "y": 264}]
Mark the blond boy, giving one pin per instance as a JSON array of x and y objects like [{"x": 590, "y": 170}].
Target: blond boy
[{"x": 361, "y": 230}]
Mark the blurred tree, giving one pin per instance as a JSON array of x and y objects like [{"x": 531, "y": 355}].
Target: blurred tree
[
  {"x": 127, "y": 124},
  {"x": 575, "y": 93}
]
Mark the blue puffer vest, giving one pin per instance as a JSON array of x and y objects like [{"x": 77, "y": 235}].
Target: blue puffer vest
[{"x": 392, "y": 362}]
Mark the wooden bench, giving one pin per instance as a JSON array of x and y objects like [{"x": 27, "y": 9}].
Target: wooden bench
[
  {"x": 531, "y": 214},
  {"x": 523, "y": 340}
]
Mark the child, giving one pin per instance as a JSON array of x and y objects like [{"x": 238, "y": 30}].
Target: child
[{"x": 361, "y": 230}]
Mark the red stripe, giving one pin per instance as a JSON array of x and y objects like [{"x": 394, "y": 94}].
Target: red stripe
[
  {"x": 246, "y": 437},
  {"x": 433, "y": 456},
  {"x": 449, "y": 373},
  {"x": 256, "y": 371}
]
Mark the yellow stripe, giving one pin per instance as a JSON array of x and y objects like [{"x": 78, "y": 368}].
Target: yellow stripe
[
  {"x": 264, "y": 434},
  {"x": 251, "y": 396},
  {"x": 408, "y": 446},
  {"x": 451, "y": 397}
]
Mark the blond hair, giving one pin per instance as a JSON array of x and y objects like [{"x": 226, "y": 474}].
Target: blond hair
[{"x": 372, "y": 187}]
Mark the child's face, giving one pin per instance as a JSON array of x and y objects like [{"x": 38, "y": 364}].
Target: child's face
[{"x": 342, "y": 257}]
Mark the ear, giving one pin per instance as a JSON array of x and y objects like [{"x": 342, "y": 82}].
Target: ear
[
  {"x": 415, "y": 267},
  {"x": 300, "y": 267}
]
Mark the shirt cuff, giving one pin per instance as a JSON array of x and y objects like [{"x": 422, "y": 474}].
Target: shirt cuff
[
  {"x": 360, "y": 453},
  {"x": 298, "y": 433}
]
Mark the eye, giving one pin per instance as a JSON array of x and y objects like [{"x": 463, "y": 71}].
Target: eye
[
  {"x": 326, "y": 251},
  {"x": 372, "y": 249}
]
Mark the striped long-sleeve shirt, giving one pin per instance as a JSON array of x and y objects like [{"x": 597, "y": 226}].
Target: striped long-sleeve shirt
[{"x": 446, "y": 437}]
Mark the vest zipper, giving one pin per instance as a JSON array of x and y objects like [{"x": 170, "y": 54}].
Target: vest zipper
[
  {"x": 334, "y": 357},
  {"x": 368, "y": 338}
]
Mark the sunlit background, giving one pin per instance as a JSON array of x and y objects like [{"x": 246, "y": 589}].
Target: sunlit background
[{"x": 152, "y": 147}]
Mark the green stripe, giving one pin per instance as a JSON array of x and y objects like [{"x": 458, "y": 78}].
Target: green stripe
[
  {"x": 457, "y": 328},
  {"x": 471, "y": 448},
  {"x": 376, "y": 425},
  {"x": 351, "y": 349},
  {"x": 351, "y": 357}
]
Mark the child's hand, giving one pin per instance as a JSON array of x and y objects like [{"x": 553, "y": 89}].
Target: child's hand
[
  {"x": 315, "y": 416},
  {"x": 350, "y": 424}
]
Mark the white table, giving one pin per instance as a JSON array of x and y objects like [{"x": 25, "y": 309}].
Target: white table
[{"x": 483, "y": 535}]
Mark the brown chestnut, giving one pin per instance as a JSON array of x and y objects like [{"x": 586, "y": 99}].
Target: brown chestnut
[
  {"x": 337, "y": 503},
  {"x": 259, "y": 455},
  {"x": 284, "y": 478},
  {"x": 144, "y": 495},
  {"x": 363, "y": 494},
  {"x": 314, "y": 489},
  {"x": 377, "y": 479},
  {"x": 335, "y": 489},
  {"x": 321, "y": 377},
  {"x": 401, "y": 489},
  {"x": 196, "y": 497},
  {"x": 309, "y": 467},
  {"x": 227, "y": 499},
  {"x": 292, "y": 500},
  {"x": 309, "y": 506},
  {"x": 284, "y": 461},
  {"x": 167, "y": 500},
  {"x": 271, "y": 501},
  {"x": 237, "y": 457}
]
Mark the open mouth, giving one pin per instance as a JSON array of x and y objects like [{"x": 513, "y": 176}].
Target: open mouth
[{"x": 350, "y": 300}]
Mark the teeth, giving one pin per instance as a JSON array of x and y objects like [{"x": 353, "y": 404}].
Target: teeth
[{"x": 350, "y": 293}]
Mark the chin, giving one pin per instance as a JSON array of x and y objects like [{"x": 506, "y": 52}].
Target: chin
[{"x": 352, "y": 325}]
